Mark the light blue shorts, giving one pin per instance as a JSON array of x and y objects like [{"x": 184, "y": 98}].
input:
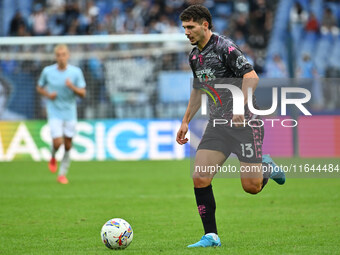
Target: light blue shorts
[{"x": 61, "y": 128}]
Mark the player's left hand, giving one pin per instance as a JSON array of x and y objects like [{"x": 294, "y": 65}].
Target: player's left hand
[
  {"x": 69, "y": 83},
  {"x": 238, "y": 120},
  {"x": 180, "y": 138}
]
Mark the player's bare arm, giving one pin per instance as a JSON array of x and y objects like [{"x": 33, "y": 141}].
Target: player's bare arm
[
  {"x": 193, "y": 106},
  {"x": 81, "y": 92},
  {"x": 250, "y": 80},
  {"x": 45, "y": 93}
]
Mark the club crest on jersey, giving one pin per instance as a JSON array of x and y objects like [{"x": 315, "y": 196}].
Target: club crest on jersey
[{"x": 205, "y": 75}]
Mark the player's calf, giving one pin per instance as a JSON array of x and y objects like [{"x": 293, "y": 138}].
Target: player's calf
[
  {"x": 251, "y": 177},
  {"x": 252, "y": 185}
]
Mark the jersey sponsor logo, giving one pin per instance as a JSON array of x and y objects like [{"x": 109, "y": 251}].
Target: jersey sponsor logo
[
  {"x": 211, "y": 55},
  {"x": 205, "y": 75},
  {"x": 193, "y": 57},
  {"x": 241, "y": 61}
]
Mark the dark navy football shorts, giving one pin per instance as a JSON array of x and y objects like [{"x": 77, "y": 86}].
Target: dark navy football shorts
[{"x": 245, "y": 142}]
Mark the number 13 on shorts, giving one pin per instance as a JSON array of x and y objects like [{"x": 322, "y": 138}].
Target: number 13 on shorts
[{"x": 247, "y": 150}]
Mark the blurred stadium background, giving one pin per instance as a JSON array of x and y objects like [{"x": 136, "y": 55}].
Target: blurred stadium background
[{"x": 134, "y": 57}]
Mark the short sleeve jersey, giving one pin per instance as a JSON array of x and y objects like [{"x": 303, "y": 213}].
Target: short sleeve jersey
[
  {"x": 64, "y": 106},
  {"x": 220, "y": 59}
]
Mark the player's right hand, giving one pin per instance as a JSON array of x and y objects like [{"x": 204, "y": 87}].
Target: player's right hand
[
  {"x": 238, "y": 120},
  {"x": 180, "y": 139},
  {"x": 52, "y": 95}
]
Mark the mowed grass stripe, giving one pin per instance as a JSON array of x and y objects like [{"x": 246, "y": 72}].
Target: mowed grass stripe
[{"x": 40, "y": 216}]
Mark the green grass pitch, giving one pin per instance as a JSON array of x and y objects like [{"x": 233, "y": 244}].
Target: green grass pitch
[{"x": 40, "y": 216}]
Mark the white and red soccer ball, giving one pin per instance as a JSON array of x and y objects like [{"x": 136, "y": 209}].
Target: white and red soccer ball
[{"x": 116, "y": 234}]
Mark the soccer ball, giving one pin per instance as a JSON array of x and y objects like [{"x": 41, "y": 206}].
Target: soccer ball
[{"x": 116, "y": 234}]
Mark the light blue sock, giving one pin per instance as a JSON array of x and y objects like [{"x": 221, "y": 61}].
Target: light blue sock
[{"x": 65, "y": 164}]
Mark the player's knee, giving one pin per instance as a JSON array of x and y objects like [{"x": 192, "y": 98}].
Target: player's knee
[
  {"x": 252, "y": 186},
  {"x": 67, "y": 143},
  {"x": 68, "y": 147},
  {"x": 57, "y": 144},
  {"x": 200, "y": 182}
]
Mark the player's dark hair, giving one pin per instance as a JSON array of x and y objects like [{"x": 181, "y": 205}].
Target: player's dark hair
[{"x": 197, "y": 13}]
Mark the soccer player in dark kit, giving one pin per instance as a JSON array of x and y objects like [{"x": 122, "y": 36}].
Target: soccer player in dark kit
[{"x": 216, "y": 57}]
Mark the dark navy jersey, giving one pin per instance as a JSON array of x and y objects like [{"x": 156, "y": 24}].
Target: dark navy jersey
[{"x": 220, "y": 61}]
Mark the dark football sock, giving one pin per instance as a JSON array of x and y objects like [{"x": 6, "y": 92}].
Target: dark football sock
[
  {"x": 206, "y": 207},
  {"x": 266, "y": 174}
]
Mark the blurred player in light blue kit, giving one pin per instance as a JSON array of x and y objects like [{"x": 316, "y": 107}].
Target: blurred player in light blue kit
[{"x": 60, "y": 83}]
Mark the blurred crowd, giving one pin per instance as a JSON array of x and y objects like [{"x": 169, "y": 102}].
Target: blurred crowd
[
  {"x": 305, "y": 18},
  {"x": 62, "y": 17},
  {"x": 315, "y": 41},
  {"x": 244, "y": 19},
  {"x": 248, "y": 22}
]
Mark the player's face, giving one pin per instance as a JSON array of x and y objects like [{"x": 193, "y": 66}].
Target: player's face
[
  {"x": 194, "y": 31},
  {"x": 62, "y": 56}
]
